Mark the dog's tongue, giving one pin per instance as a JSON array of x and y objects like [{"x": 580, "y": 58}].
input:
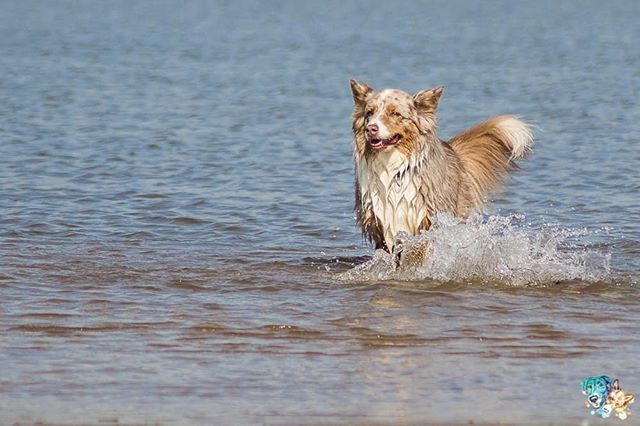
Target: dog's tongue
[
  {"x": 377, "y": 143},
  {"x": 382, "y": 143}
]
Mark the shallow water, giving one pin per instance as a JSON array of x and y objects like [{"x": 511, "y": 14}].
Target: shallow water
[{"x": 177, "y": 241}]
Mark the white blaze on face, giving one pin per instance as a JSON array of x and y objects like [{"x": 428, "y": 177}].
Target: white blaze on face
[
  {"x": 378, "y": 117},
  {"x": 383, "y": 131}
]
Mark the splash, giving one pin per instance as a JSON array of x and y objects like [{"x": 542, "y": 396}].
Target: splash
[{"x": 497, "y": 250}]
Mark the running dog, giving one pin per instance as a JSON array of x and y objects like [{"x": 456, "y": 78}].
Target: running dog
[{"x": 405, "y": 174}]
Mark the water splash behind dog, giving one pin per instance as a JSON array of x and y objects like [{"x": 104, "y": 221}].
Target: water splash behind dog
[{"x": 499, "y": 250}]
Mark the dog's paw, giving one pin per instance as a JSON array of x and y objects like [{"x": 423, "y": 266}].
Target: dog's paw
[
  {"x": 398, "y": 247},
  {"x": 410, "y": 255}
]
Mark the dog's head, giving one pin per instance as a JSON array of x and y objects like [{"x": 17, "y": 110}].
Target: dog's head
[
  {"x": 392, "y": 118},
  {"x": 596, "y": 389},
  {"x": 618, "y": 398}
]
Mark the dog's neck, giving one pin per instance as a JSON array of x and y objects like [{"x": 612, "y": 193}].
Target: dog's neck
[{"x": 390, "y": 187}]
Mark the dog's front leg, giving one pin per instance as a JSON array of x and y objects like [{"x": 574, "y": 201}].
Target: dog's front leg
[{"x": 412, "y": 256}]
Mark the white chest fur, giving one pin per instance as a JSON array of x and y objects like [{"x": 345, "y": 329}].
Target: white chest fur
[{"x": 389, "y": 189}]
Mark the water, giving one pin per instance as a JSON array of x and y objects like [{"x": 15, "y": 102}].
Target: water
[
  {"x": 493, "y": 251},
  {"x": 177, "y": 241}
]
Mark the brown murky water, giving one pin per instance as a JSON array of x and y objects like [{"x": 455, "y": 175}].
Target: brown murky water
[{"x": 177, "y": 243}]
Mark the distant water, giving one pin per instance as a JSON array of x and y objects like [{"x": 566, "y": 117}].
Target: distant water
[{"x": 177, "y": 240}]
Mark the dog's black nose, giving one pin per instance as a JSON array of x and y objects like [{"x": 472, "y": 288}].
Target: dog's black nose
[{"x": 372, "y": 129}]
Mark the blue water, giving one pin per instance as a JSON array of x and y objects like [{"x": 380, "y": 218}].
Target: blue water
[{"x": 177, "y": 240}]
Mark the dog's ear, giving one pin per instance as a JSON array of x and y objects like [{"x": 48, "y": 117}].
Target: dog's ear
[
  {"x": 360, "y": 91},
  {"x": 427, "y": 100},
  {"x": 629, "y": 398}
]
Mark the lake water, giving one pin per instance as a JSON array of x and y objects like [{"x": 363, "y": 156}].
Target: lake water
[{"x": 177, "y": 240}]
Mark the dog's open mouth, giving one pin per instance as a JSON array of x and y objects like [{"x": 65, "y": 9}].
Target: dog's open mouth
[{"x": 383, "y": 143}]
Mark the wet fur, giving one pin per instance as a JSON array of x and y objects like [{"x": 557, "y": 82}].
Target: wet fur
[{"x": 403, "y": 186}]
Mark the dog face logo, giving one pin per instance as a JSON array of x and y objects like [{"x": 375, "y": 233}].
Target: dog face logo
[
  {"x": 619, "y": 401},
  {"x": 393, "y": 117},
  {"x": 596, "y": 389},
  {"x": 605, "y": 397}
]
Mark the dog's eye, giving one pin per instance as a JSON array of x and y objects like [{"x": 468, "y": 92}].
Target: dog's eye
[
  {"x": 368, "y": 114},
  {"x": 396, "y": 114}
]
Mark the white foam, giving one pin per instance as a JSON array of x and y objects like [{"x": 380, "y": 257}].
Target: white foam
[{"x": 497, "y": 250}]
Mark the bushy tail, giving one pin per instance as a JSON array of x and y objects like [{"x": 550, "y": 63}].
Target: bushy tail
[{"x": 487, "y": 152}]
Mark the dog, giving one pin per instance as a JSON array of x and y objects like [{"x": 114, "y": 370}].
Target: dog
[
  {"x": 405, "y": 174},
  {"x": 619, "y": 401}
]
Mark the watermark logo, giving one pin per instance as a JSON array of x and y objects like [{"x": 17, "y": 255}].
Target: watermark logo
[{"x": 605, "y": 396}]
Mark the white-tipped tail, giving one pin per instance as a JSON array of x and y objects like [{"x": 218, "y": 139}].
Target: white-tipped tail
[
  {"x": 518, "y": 133},
  {"x": 488, "y": 152}
]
